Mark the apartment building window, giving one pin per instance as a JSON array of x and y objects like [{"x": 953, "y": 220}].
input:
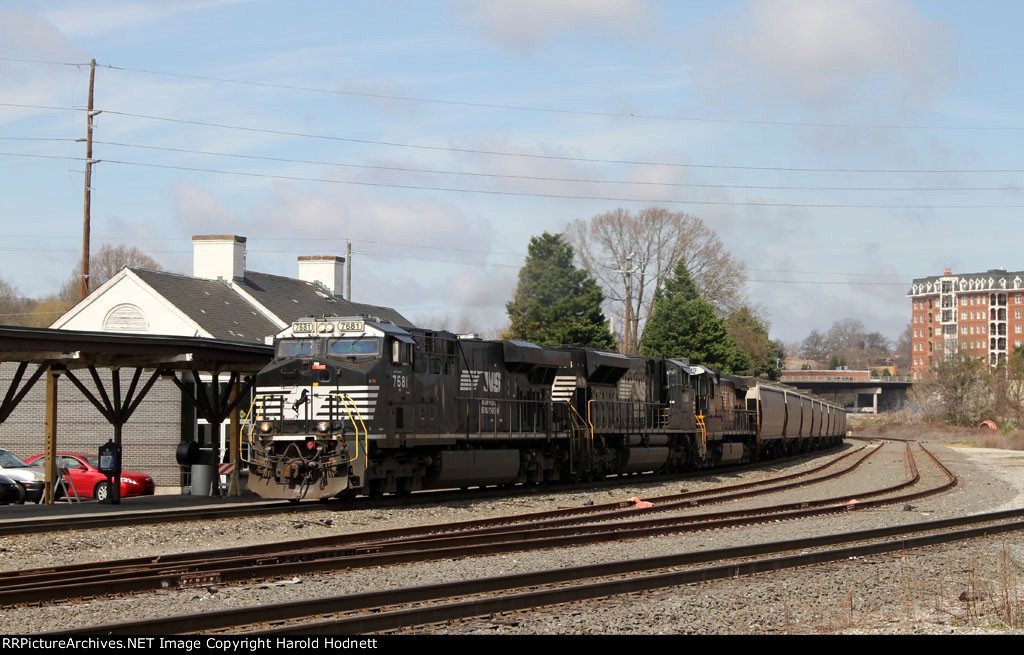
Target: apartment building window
[{"x": 1016, "y": 313}]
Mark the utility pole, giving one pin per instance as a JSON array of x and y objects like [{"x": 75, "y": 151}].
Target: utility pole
[
  {"x": 348, "y": 272},
  {"x": 88, "y": 181},
  {"x": 627, "y": 270}
]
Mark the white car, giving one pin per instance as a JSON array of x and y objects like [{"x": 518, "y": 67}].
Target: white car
[{"x": 28, "y": 477}]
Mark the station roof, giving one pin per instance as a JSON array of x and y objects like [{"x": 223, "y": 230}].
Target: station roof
[{"x": 77, "y": 349}]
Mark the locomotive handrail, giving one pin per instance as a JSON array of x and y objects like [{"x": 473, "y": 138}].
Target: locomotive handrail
[
  {"x": 640, "y": 416},
  {"x": 346, "y": 401},
  {"x": 584, "y": 423},
  {"x": 250, "y": 420},
  {"x": 500, "y": 406},
  {"x": 703, "y": 433},
  {"x": 591, "y": 424}
]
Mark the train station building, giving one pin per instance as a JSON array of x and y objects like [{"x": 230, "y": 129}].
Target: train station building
[
  {"x": 977, "y": 315},
  {"x": 220, "y": 300}
]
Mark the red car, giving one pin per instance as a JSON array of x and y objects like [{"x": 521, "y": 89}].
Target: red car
[{"x": 90, "y": 483}]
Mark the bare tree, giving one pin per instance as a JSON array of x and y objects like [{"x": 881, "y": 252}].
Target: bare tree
[
  {"x": 12, "y": 306},
  {"x": 631, "y": 255},
  {"x": 103, "y": 265},
  {"x": 814, "y": 346},
  {"x": 903, "y": 350}
]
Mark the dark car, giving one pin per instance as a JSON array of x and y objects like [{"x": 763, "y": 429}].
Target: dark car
[
  {"x": 11, "y": 491},
  {"x": 29, "y": 478}
]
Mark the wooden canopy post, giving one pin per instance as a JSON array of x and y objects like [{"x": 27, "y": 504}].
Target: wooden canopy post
[
  {"x": 234, "y": 453},
  {"x": 50, "y": 469}
]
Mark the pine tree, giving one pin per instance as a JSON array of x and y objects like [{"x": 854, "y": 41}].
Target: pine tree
[
  {"x": 751, "y": 335},
  {"x": 556, "y": 303},
  {"x": 683, "y": 324}
]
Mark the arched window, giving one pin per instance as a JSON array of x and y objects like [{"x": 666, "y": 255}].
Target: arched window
[{"x": 125, "y": 318}]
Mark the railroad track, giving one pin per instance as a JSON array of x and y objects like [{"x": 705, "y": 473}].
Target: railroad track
[
  {"x": 505, "y": 534},
  {"x": 269, "y": 508},
  {"x": 185, "y": 569},
  {"x": 411, "y": 606}
]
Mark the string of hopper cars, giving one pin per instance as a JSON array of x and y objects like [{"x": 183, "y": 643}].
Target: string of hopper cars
[{"x": 353, "y": 405}]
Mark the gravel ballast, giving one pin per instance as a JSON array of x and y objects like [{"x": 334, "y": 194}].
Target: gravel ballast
[{"x": 966, "y": 587}]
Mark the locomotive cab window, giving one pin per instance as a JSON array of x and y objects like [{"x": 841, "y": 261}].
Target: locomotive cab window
[
  {"x": 296, "y": 348},
  {"x": 401, "y": 352},
  {"x": 354, "y": 347}
]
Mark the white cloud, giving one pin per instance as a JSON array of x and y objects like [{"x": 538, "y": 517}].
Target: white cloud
[
  {"x": 198, "y": 211},
  {"x": 526, "y": 24},
  {"x": 825, "y": 53},
  {"x": 27, "y": 34}
]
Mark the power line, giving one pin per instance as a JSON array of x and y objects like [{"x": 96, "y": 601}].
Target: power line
[
  {"x": 595, "y": 160},
  {"x": 551, "y": 110},
  {"x": 868, "y": 284},
  {"x": 23, "y": 106},
  {"x": 32, "y": 138},
  {"x": 42, "y": 61},
  {"x": 546, "y": 157},
  {"x": 527, "y": 108},
  {"x": 402, "y": 169},
  {"x": 726, "y": 203},
  {"x": 391, "y": 243}
]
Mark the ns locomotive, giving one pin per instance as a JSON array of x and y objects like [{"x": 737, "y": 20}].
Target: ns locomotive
[{"x": 354, "y": 405}]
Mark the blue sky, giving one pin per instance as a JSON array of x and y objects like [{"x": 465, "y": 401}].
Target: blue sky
[{"x": 908, "y": 114}]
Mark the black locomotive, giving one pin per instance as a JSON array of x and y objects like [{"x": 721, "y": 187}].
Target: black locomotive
[{"x": 352, "y": 405}]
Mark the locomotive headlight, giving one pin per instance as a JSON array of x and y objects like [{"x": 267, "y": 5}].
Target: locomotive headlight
[
  {"x": 266, "y": 427},
  {"x": 323, "y": 426}
]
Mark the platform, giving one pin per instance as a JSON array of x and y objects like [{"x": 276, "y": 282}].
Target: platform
[{"x": 128, "y": 506}]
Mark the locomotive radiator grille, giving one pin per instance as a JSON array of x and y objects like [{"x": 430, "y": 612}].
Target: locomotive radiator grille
[{"x": 563, "y": 388}]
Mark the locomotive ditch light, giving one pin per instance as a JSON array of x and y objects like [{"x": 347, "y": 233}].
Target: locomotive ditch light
[
  {"x": 323, "y": 426},
  {"x": 266, "y": 427}
]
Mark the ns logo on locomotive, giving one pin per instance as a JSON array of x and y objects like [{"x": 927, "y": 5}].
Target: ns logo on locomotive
[{"x": 354, "y": 405}]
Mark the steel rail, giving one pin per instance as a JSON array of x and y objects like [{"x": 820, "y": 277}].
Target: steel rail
[
  {"x": 149, "y": 517},
  {"x": 306, "y": 562},
  {"x": 389, "y": 620},
  {"x": 336, "y": 541}
]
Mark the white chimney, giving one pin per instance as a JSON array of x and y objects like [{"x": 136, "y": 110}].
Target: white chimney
[
  {"x": 218, "y": 257},
  {"x": 327, "y": 270}
]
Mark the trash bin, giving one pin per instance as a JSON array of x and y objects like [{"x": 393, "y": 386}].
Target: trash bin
[{"x": 203, "y": 476}]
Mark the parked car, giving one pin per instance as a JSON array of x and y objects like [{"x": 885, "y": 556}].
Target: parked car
[
  {"x": 11, "y": 491},
  {"x": 31, "y": 480},
  {"x": 90, "y": 483}
]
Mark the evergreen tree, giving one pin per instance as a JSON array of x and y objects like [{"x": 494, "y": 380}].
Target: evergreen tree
[
  {"x": 751, "y": 335},
  {"x": 556, "y": 303},
  {"x": 683, "y": 324}
]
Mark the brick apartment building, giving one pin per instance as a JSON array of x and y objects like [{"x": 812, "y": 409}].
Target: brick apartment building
[{"x": 979, "y": 315}]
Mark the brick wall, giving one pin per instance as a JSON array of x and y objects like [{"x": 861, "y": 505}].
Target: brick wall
[{"x": 149, "y": 438}]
